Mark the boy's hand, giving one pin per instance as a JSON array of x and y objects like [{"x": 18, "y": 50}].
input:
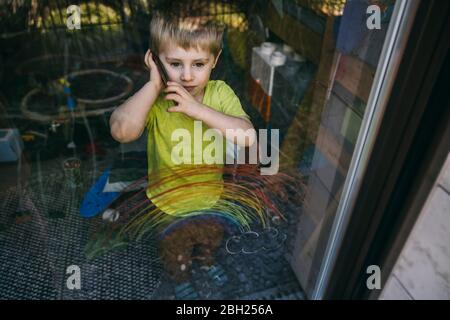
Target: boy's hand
[
  {"x": 155, "y": 77},
  {"x": 186, "y": 103}
]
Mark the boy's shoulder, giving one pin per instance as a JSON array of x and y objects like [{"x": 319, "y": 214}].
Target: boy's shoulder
[
  {"x": 220, "y": 83},
  {"x": 219, "y": 86},
  {"x": 215, "y": 84}
]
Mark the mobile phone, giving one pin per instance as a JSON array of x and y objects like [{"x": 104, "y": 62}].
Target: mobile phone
[{"x": 161, "y": 69}]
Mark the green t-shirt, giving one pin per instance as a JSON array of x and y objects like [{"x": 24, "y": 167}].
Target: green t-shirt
[{"x": 180, "y": 188}]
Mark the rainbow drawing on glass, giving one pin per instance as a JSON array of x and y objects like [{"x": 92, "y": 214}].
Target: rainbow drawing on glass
[{"x": 247, "y": 198}]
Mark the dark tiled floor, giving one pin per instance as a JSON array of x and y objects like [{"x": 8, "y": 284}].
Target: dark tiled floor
[{"x": 38, "y": 247}]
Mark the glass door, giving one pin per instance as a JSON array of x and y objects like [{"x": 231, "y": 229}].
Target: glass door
[
  {"x": 347, "y": 53},
  {"x": 313, "y": 74}
]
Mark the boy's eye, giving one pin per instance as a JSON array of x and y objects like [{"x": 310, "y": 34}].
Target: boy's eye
[{"x": 177, "y": 64}]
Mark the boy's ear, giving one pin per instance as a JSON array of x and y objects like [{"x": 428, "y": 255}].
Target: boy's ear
[{"x": 217, "y": 58}]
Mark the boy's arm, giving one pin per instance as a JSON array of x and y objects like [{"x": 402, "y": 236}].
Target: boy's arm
[
  {"x": 242, "y": 131},
  {"x": 127, "y": 122},
  {"x": 223, "y": 122}
]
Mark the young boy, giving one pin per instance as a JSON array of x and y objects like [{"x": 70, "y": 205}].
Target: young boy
[{"x": 188, "y": 50}]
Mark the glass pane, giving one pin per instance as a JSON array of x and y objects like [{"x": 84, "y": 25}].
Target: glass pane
[
  {"x": 302, "y": 70},
  {"x": 322, "y": 135}
]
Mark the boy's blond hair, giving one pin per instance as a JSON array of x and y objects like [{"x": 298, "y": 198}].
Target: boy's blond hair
[{"x": 186, "y": 32}]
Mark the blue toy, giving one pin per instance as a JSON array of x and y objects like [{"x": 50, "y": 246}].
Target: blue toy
[{"x": 95, "y": 200}]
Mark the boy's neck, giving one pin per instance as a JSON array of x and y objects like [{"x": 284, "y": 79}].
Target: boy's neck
[{"x": 200, "y": 96}]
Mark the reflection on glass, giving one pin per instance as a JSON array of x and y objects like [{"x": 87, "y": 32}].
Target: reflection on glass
[{"x": 304, "y": 67}]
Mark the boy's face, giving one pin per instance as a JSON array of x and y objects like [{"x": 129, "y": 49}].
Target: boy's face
[{"x": 191, "y": 68}]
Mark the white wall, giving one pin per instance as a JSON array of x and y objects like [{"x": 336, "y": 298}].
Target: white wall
[{"x": 422, "y": 271}]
